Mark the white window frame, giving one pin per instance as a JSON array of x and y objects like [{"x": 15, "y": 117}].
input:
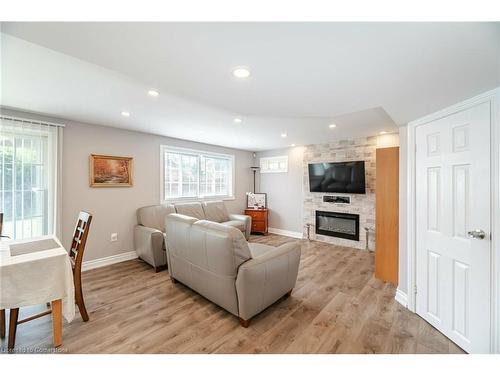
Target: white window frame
[
  {"x": 275, "y": 159},
  {"x": 51, "y": 162},
  {"x": 164, "y": 199}
]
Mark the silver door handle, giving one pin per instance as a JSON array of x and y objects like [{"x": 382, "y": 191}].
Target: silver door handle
[{"x": 478, "y": 234}]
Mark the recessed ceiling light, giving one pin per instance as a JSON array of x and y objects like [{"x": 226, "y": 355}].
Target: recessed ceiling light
[
  {"x": 331, "y": 126},
  {"x": 154, "y": 93},
  {"x": 241, "y": 72},
  {"x": 292, "y": 145},
  {"x": 382, "y": 132},
  {"x": 284, "y": 135},
  {"x": 125, "y": 114},
  {"x": 237, "y": 120}
]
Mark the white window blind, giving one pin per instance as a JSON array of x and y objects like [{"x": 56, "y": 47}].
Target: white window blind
[
  {"x": 192, "y": 174},
  {"x": 28, "y": 177}
]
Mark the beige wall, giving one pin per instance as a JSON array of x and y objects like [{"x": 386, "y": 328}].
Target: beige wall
[
  {"x": 284, "y": 190},
  {"x": 114, "y": 209}
]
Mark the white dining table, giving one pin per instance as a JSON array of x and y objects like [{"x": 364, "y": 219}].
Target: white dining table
[{"x": 36, "y": 271}]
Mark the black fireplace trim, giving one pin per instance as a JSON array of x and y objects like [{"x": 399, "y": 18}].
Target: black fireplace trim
[{"x": 354, "y": 237}]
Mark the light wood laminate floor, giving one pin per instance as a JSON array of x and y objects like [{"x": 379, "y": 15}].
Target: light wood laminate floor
[{"x": 337, "y": 306}]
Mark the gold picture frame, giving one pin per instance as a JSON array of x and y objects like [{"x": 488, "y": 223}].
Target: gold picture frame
[{"x": 111, "y": 171}]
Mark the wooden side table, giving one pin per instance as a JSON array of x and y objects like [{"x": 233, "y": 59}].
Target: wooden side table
[{"x": 259, "y": 219}]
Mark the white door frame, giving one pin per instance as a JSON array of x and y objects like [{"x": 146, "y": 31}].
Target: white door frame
[{"x": 493, "y": 97}]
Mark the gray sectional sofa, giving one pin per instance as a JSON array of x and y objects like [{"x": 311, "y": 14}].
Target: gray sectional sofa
[{"x": 149, "y": 233}]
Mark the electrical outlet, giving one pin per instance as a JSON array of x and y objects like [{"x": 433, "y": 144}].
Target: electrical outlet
[{"x": 114, "y": 237}]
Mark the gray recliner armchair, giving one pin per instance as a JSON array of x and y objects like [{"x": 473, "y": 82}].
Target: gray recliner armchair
[{"x": 216, "y": 261}]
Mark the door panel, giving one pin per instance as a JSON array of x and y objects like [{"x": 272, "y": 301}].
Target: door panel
[
  {"x": 461, "y": 195},
  {"x": 433, "y": 285},
  {"x": 461, "y": 298},
  {"x": 434, "y": 199},
  {"x": 453, "y": 198}
]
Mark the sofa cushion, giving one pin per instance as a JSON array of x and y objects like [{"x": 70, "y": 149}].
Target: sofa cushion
[
  {"x": 154, "y": 216},
  {"x": 216, "y": 211},
  {"x": 258, "y": 249},
  {"x": 217, "y": 247},
  {"x": 180, "y": 224},
  {"x": 194, "y": 209},
  {"x": 235, "y": 223}
]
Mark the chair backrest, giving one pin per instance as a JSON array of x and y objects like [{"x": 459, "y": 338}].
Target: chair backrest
[
  {"x": 206, "y": 256},
  {"x": 216, "y": 211},
  {"x": 79, "y": 239},
  {"x": 154, "y": 216},
  {"x": 194, "y": 209},
  {"x": 1, "y": 226}
]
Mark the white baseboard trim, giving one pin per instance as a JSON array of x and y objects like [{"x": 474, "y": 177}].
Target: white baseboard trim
[
  {"x": 401, "y": 297},
  {"x": 287, "y": 233},
  {"x": 106, "y": 261}
]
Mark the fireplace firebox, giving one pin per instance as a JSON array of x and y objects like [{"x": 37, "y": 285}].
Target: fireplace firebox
[{"x": 338, "y": 224}]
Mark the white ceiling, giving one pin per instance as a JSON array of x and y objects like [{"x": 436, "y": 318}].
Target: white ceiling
[{"x": 365, "y": 77}]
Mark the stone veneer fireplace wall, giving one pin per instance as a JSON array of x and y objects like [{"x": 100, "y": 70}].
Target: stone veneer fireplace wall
[{"x": 361, "y": 204}]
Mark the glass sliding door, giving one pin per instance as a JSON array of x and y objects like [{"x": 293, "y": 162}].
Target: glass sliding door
[{"x": 28, "y": 165}]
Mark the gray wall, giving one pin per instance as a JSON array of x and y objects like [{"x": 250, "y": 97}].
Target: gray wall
[
  {"x": 114, "y": 209},
  {"x": 284, "y": 190}
]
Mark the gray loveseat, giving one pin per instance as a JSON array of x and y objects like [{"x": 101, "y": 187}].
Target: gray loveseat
[
  {"x": 149, "y": 233},
  {"x": 216, "y": 261}
]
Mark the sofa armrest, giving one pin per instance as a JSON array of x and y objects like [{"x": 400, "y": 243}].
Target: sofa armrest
[
  {"x": 247, "y": 220},
  {"x": 261, "y": 281},
  {"x": 149, "y": 245}
]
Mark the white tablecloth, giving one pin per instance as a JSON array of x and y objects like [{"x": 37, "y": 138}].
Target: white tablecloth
[{"x": 34, "y": 272}]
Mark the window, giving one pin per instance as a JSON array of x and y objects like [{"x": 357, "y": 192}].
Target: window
[
  {"x": 275, "y": 164},
  {"x": 27, "y": 178},
  {"x": 190, "y": 174}
]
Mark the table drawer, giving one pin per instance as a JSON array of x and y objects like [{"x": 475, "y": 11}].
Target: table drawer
[
  {"x": 257, "y": 215},
  {"x": 258, "y": 226}
]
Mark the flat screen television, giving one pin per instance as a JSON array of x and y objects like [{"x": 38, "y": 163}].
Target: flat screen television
[{"x": 345, "y": 177}]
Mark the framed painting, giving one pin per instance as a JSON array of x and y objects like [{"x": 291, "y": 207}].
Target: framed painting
[{"x": 110, "y": 171}]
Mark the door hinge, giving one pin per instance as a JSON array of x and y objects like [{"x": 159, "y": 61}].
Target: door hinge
[{"x": 415, "y": 289}]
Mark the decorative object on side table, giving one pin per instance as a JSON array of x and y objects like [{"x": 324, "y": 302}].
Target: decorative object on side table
[
  {"x": 256, "y": 200},
  {"x": 110, "y": 171},
  {"x": 259, "y": 219}
]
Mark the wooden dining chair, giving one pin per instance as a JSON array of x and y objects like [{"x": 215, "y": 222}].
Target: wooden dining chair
[
  {"x": 1, "y": 226},
  {"x": 78, "y": 243},
  {"x": 76, "y": 255},
  {"x": 2, "y": 312}
]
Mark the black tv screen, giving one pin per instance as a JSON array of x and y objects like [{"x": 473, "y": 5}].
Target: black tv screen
[{"x": 346, "y": 177}]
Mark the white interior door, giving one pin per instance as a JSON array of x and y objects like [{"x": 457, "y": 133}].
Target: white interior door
[{"x": 452, "y": 211}]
